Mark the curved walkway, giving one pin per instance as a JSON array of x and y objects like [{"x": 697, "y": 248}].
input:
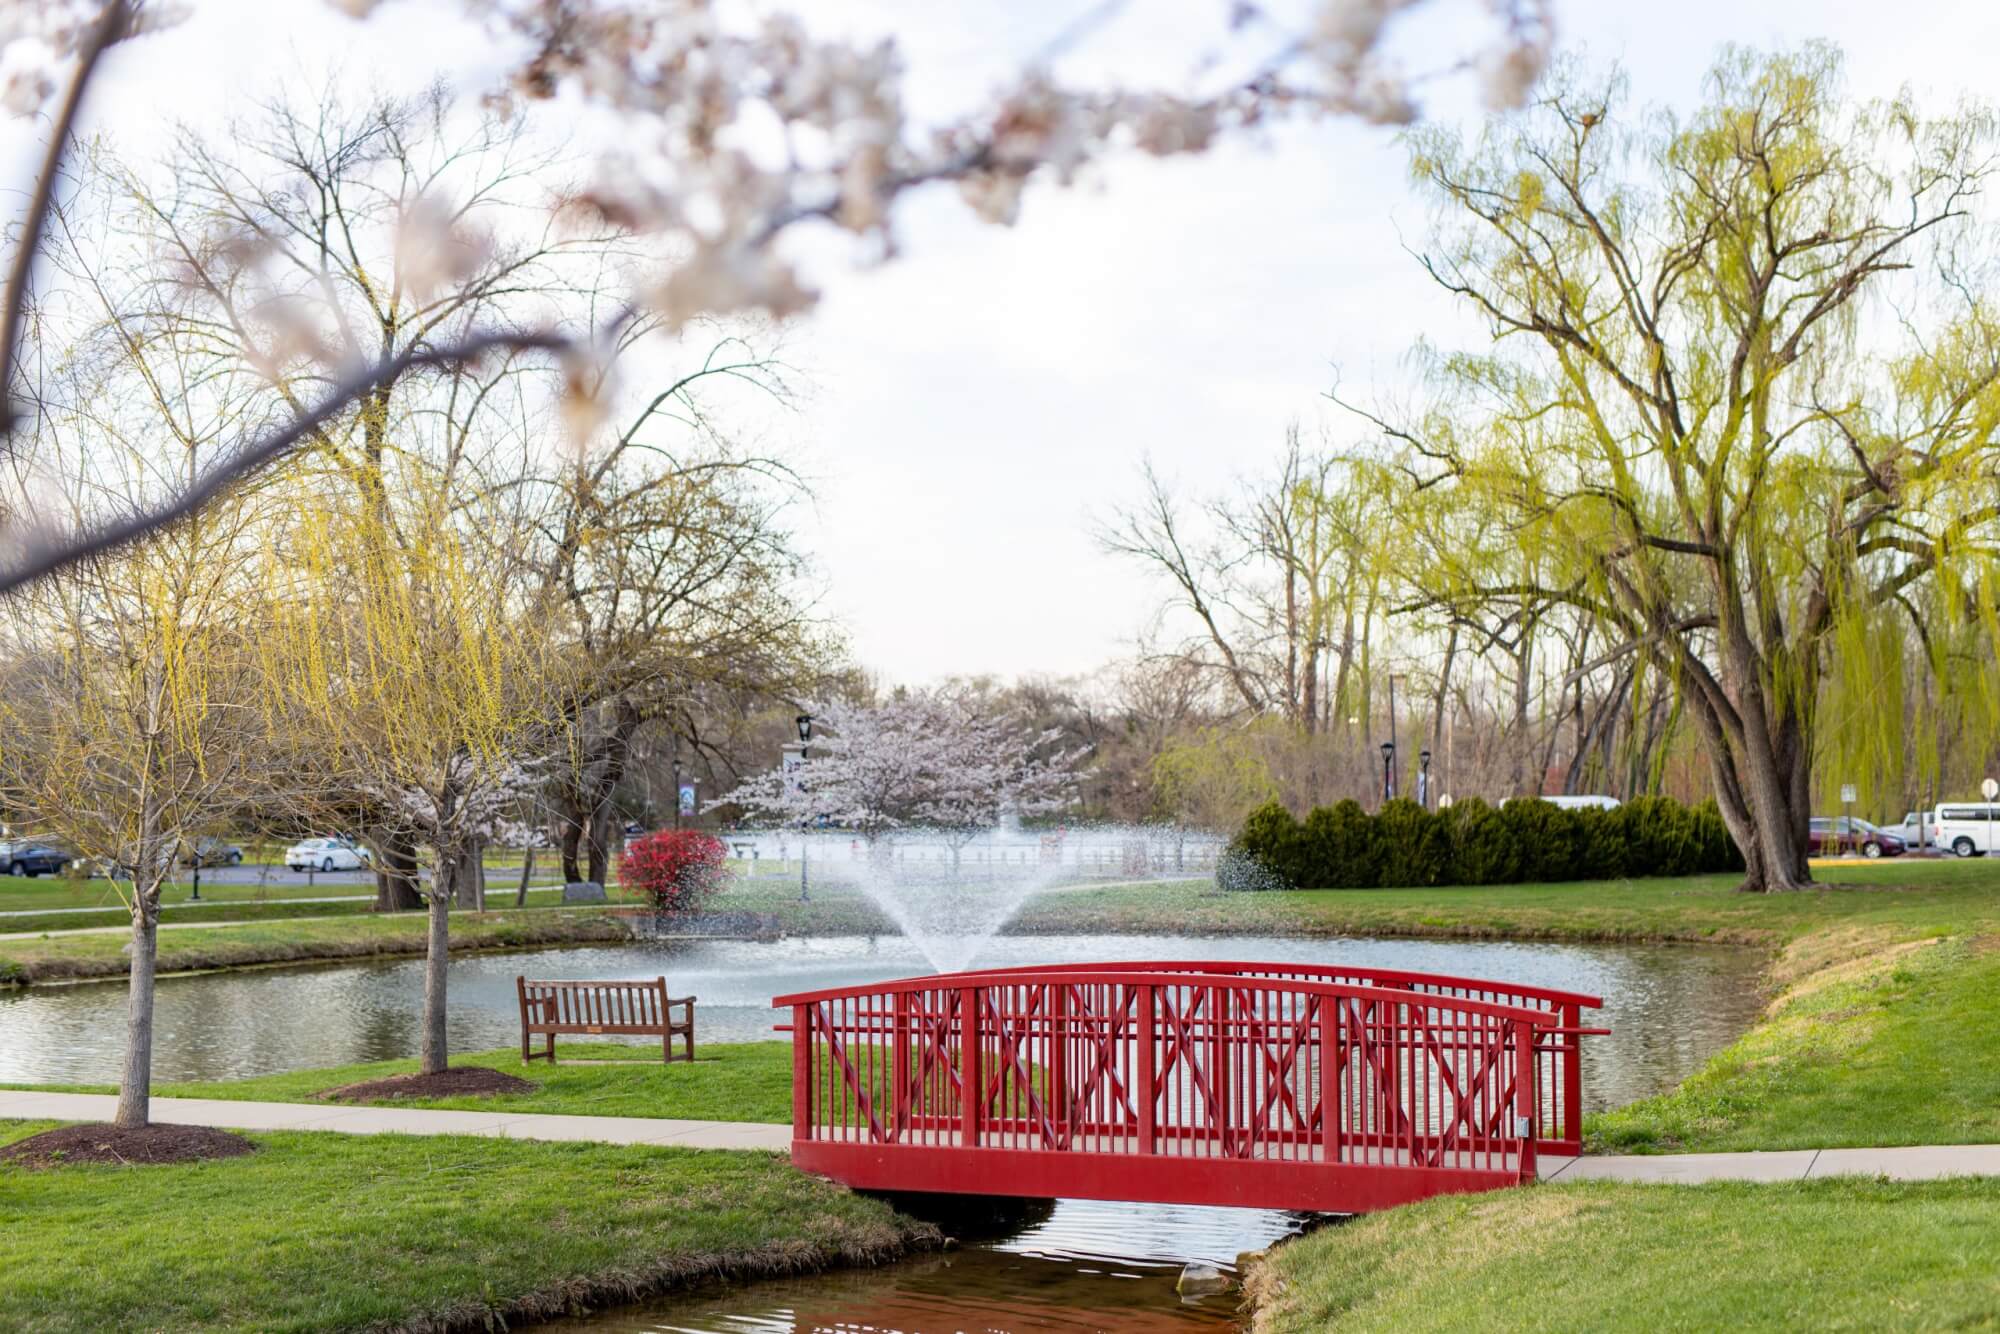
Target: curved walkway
[{"x": 1919, "y": 1163}]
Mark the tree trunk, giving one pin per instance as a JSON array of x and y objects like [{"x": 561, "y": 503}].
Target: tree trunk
[
  {"x": 435, "y": 1051},
  {"x": 468, "y": 888},
  {"x": 527, "y": 874},
  {"x": 1754, "y": 789},
  {"x": 600, "y": 844},
  {"x": 135, "y": 1085},
  {"x": 396, "y": 875},
  {"x": 570, "y": 844}
]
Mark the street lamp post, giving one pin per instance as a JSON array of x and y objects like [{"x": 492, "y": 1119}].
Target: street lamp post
[
  {"x": 1424, "y": 778},
  {"x": 805, "y": 723},
  {"x": 1388, "y": 771}
]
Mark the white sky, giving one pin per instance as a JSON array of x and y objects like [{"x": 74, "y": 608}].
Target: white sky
[{"x": 980, "y": 399}]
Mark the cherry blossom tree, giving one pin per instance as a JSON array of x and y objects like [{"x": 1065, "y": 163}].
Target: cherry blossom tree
[
  {"x": 736, "y": 131},
  {"x": 942, "y": 760}
]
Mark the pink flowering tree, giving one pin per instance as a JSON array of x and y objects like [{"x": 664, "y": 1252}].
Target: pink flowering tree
[{"x": 938, "y": 760}]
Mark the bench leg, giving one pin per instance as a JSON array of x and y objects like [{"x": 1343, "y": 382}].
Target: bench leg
[
  {"x": 549, "y": 1055},
  {"x": 524, "y": 1045}
]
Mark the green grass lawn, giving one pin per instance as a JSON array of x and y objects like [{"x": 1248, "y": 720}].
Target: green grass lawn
[
  {"x": 1906, "y": 896},
  {"x": 744, "y": 1081},
  {"x": 1835, "y": 1254},
  {"x": 1895, "y": 1047},
  {"x": 325, "y": 1231}
]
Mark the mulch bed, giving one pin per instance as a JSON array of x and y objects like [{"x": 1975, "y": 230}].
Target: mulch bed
[
  {"x": 464, "y": 1081},
  {"x": 151, "y": 1144}
]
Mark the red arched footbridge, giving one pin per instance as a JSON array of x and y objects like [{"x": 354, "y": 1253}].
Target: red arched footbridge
[{"x": 1288, "y": 1086}]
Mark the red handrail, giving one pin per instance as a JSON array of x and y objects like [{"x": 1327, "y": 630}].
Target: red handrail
[
  {"x": 1559, "y": 1113},
  {"x": 1330, "y": 972}
]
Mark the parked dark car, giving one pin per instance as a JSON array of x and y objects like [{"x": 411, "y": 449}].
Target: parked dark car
[
  {"x": 1831, "y": 835},
  {"x": 213, "y": 852},
  {"x": 22, "y": 857}
]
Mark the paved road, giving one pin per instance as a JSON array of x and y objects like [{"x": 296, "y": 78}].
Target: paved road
[
  {"x": 125, "y": 928},
  {"x": 205, "y": 903}
]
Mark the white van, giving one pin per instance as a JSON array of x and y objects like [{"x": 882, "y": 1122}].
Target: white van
[
  {"x": 1918, "y": 830},
  {"x": 1584, "y": 803},
  {"x": 1968, "y": 828}
]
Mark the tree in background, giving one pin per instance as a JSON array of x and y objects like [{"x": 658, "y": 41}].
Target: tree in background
[
  {"x": 428, "y": 687},
  {"x": 1739, "y": 408},
  {"x": 130, "y": 697},
  {"x": 937, "y": 759},
  {"x": 664, "y": 553}
]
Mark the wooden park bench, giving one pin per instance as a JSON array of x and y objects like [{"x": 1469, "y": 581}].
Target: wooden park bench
[{"x": 591, "y": 1008}]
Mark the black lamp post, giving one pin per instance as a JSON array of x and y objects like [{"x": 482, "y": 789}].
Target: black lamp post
[
  {"x": 805, "y": 723},
  {"x": 1388, "y": 771},
  {"x": 1424, "y": 778}
]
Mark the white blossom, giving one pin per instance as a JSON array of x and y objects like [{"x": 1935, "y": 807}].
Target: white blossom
[{"x": 932, "y": 758}]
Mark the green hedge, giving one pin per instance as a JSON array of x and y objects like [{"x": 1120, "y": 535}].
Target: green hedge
[{"x": 1472, "y": 843}]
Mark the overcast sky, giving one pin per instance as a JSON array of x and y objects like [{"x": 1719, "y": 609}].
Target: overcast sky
[{"x": 979, "y": 401}]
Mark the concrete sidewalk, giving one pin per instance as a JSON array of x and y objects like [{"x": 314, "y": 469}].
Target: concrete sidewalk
[
  {"x": 1915, "y": 1163},
  {"x": 1920, "y": 1163},
  {"x": 233, "y": 1115}
]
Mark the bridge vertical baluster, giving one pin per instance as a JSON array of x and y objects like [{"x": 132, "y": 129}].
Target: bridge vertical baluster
[
  {"x": 1219, "y": 1000},
  {"x": 899, "y": 1069},
  {"x": 1330, "y": 1066},
  {"x": 1058, "y": 1061},
  {"x": 971, "y": 1078},
  {"x": 1145, "y": 1093}
]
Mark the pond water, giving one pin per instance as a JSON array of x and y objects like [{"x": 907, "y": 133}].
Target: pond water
[
  {"x": 1083, "y": 1266},
  {"x": 1089, "y": 1265},
  {"x": 1668, "y": 1007}
]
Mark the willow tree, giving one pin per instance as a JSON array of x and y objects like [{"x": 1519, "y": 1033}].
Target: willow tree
[
  {"x": 1739, "y": 402},
  {"x": 423, "y": 687},
  {"x": 128, "y": 716}
]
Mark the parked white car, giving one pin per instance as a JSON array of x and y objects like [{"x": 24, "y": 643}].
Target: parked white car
[
  {"x": 326, "y": 854},
  {"x": 1968, "y": 828}
]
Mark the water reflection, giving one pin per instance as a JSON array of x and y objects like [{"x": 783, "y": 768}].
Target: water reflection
[
  {"x": 1669, "y": 1007},
  {"x": 1089, "y": 1266}
]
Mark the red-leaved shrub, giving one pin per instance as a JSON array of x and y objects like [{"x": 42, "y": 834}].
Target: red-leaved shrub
[{"x": 678, "y": 869}]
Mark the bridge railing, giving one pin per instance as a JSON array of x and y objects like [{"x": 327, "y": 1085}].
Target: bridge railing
[
  {"x": 1106, "y": 1066},
  {"x": 1558, "y": 1047}
]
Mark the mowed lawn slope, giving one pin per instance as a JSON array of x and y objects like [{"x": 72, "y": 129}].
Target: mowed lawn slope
[{"x": 337, "y": 1232}]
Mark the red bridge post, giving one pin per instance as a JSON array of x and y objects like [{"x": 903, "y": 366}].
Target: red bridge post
[
  {"x": 1571, "y": 1108},
  {"x": 1525, "y": 1097},
  {"x": 971, "y": 1079},
  {"x": 802, "y": 1072}
]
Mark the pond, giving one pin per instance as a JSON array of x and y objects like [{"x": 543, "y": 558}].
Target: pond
[
  {"x": 1082, "y": 1266},
  {"x": 1669, "y": 1007}
]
